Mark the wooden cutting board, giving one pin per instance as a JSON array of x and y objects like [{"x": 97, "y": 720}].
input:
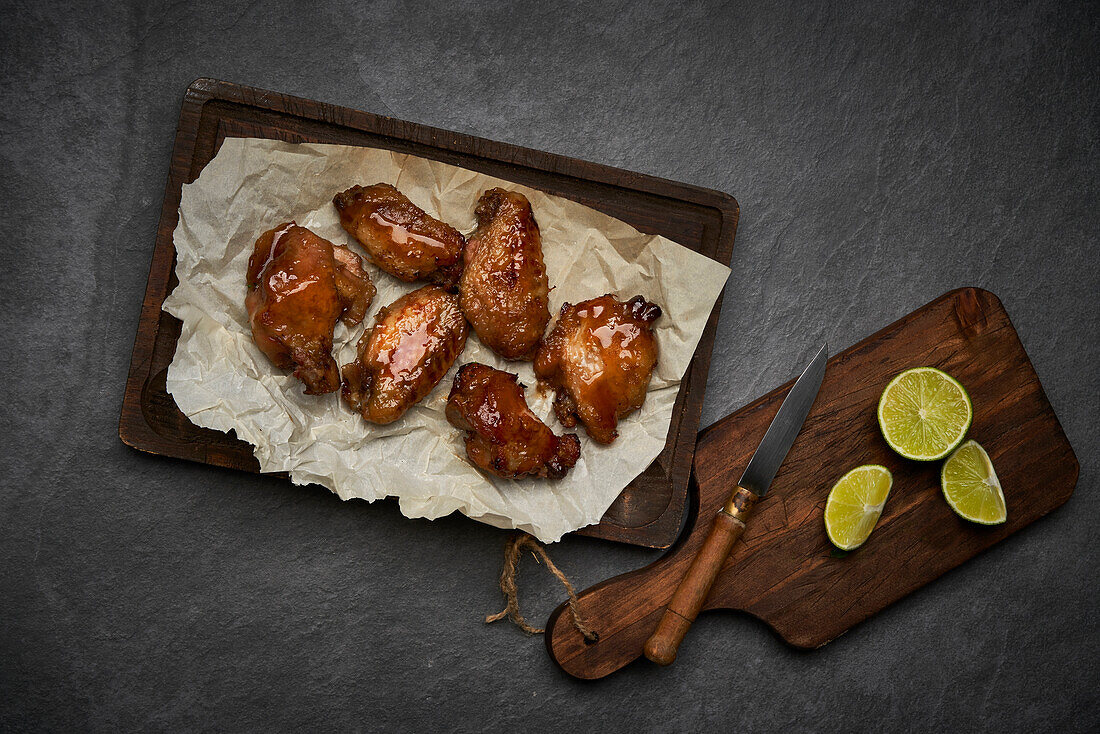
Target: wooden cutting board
[
  {"x": 784, "y": 570},
  {"x": 650, "y": 510}
]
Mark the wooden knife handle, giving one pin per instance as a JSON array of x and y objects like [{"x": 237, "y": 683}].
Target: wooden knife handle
[{"x": 688, "y": 599}]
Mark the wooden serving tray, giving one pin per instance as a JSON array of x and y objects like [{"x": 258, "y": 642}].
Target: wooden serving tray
[
  {"x": 649, "y": 512},
  {"x": 783, "y": 570}
]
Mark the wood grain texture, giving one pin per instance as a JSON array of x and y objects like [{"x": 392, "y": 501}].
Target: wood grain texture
[
  {"x": 783, "y": 570},
  {"x": 650, "y": 511}
]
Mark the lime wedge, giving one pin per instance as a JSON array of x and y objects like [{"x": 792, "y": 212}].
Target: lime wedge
[
  {"x": 924, "y": 414},
  {"x": 855, "y": 503},
  {"x": 971, "y": 487}
]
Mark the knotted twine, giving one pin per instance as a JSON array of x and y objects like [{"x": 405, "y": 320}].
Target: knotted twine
[{"x": 512, "y": 550}]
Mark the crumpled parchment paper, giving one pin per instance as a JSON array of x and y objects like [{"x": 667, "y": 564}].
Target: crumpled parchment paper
[{"x": 221, "y": 380}]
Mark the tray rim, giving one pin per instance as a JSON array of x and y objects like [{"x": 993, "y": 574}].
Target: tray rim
[{"x": 139, "y": 435}]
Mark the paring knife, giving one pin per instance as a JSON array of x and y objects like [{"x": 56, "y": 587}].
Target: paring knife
[{"x": 730, "y": 521}]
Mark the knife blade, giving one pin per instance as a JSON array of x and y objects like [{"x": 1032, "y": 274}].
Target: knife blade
[
  {"x": 729, "y": 522},
  {"x": 784, "y": 427}
]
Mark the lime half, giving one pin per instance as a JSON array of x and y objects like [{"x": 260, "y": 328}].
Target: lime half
[
  {"x": 971, "y": 487},
  {"x": 855, "y": 503},
  {"x": 924, "y": 413}
]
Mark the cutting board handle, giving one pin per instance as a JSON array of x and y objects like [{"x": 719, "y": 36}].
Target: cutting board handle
[{"x": 623, "y": 612}]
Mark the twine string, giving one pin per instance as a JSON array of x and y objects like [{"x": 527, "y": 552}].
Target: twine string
[{"x": 512, "y": 553}]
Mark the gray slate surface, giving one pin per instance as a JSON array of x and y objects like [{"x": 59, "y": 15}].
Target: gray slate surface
[{"x": 882, "y": 153}]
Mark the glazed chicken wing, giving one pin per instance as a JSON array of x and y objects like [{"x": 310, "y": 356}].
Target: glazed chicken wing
[
  {"x": 600, "y": 355},
  {"x": 399, "y": 236},
  {"x": 503, "y": 289},
  {"x": 415, "y": 340},
  {"x": 299, "y": 284},
  {"x": 503, "y": 436},
  {"x": 353, "y": 285}
]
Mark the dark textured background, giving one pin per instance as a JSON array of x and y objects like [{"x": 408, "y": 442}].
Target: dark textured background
[{"x": 882, "y": 153}]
